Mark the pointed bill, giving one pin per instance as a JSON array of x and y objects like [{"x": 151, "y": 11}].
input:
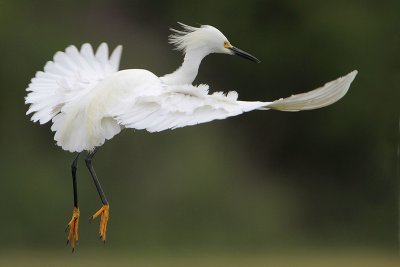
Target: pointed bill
[{"x": 241, "y": 53}]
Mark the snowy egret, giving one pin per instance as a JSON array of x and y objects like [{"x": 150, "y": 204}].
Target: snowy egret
[{"x": 89, "y": 101}]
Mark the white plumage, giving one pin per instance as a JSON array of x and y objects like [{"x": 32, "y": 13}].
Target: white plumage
[{"x": 90, "y": 101}]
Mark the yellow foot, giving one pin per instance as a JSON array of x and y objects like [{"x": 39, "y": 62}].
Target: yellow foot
[
  {"x": 105, "y": 215},
  {"x": 73, "y": 228}
]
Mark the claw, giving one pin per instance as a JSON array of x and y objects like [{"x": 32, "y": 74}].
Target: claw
[
  {"x": 73, "y": 228},
  {"x": 104, "y": 211}
]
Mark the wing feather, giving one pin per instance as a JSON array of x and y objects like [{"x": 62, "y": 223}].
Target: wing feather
[
  {"x": 318, "y": 98},
  {"x": 179, "y": 106},
  {"x": 70, "y": 75},
  {"x": 115, "y": 58},
  {"x": 102, "y": 53}
]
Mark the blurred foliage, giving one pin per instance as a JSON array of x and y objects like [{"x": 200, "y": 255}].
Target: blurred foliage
[{"x": 259, "y": 181}]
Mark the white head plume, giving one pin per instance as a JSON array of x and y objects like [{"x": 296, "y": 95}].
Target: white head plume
[{"x": 205, "y": 37}]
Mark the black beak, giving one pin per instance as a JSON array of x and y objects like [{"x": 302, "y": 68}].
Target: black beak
[{"x": 243, "y": 54}]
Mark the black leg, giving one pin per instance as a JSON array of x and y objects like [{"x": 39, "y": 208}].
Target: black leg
[
  {"x": 88, "y": 161},
  {"x": 74, "y": 183},
  {"x": 73, "y": 223}
]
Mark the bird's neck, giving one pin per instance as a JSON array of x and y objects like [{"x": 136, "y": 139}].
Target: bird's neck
[{"x": 186, "y": 73}]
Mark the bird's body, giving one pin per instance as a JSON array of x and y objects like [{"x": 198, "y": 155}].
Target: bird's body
[
  {"x": 93, "y": 118},
  {"x": 89, "y": 101},
  {"x": 100, "y": 106},
  {"x": 138, "y": 99}
]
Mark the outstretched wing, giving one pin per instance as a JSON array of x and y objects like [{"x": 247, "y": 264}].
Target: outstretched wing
[
  {"x": 178, "y": 106},
  {"x": 67, "y": 78}
]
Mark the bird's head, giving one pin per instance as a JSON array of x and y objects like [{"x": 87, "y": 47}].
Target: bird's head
[{"x": 205, "y": 39}]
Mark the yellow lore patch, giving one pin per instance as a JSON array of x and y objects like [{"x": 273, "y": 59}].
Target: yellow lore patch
[{"x": 227, "y": 45}]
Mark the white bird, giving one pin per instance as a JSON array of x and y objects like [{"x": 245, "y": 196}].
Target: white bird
[{"x": 89, "y": 101}]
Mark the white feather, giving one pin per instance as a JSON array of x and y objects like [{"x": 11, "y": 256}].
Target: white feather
[
  {"x": 171, "y": 107},
  {"x": 318, "y": 98},
  {"x": 192, "y": 38},
  {"x": 63, "y": 87},
  {"x": 89, "y": 101}
]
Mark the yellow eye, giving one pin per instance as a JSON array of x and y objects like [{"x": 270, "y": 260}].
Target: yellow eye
[{"x": 227, "y": 44}]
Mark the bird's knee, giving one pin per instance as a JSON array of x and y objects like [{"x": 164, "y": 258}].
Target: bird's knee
[
  {"x": 74, "y": 168},
  {"x": 74, "y": 164},
  {"x": 88, "y": 161}
]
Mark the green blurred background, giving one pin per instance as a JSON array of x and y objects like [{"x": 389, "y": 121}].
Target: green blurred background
[{"x": 264, "y": 183}]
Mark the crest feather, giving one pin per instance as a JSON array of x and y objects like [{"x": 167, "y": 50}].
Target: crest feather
[{"x": 181, "y": 39}]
